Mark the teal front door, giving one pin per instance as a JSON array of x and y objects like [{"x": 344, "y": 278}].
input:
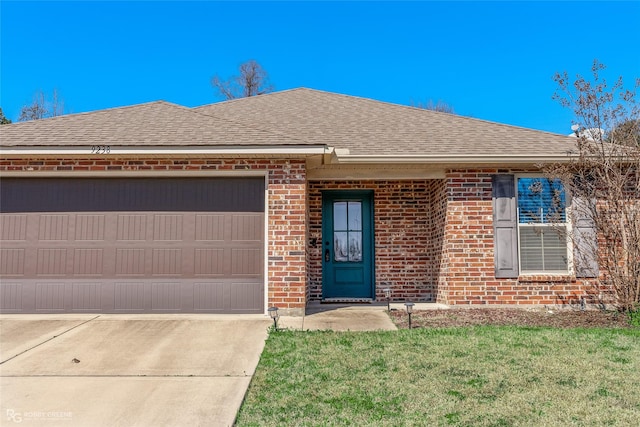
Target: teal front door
[{"x": 347, "y": 246}]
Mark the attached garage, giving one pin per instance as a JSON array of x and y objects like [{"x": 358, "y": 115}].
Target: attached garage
[{"x": 132, "y": 245}]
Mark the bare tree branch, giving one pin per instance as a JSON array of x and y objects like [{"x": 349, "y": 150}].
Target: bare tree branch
[
  {"x": 253, "y": 80},
  {"x": 42, "y": 108},
  {"x": 440, "y": 106},
  {"x": 604, "y": 175}
]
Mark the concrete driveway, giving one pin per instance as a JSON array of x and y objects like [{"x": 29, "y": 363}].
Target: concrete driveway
[{"x": 126, "y": 370}]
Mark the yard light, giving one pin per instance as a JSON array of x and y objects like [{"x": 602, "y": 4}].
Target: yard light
[
  {"x": 273, "y": 313},
  {"x": 387, "y": 293},
  {"x": 409, "y": 306}
]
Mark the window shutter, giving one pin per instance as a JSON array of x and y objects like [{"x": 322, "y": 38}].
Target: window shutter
[
  {"x": 585, "y": 241},
  {"x": 505, "y": 227}
]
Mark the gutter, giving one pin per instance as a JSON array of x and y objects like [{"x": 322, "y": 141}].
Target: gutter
[
  {"x": 453, "y": 158},
  {"x": 111, "y": 150}
]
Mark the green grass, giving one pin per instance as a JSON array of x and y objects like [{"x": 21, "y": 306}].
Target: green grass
[
  {"x": 634, "y": 317},
  {"x": 480, "y": 376}
]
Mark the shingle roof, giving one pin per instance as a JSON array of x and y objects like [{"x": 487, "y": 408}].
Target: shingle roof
[
  {"x": 364, "y": 127},
  {"x": 369, "y": 127},
  {"x": 154, "y": 124}
]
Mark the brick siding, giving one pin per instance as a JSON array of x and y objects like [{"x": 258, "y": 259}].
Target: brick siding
[
  {"x": 467, "y": 274},
  {"x": 434, "y": 242},
  {"x": 403, "y": 229},
  {"x": 433, "y": 238}
]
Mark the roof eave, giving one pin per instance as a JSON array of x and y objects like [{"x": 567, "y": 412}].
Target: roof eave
[
  {"x": 105, "y": 151},
  {"x": 455, "y": 158}
]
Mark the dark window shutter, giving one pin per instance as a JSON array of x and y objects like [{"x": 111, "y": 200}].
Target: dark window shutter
[
  {"x": 585, "y": 241},
  {"x": 505, "y": 227}
]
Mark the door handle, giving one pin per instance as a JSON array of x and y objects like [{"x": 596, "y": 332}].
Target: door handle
[{"x": 327, "y": 257}]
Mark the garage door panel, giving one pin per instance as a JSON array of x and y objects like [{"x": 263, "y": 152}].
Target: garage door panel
[
  {"x": 209, "y": 262},
  {"x": 166, "y": 297},
  {"x": 212, "y": 296},
  {"x": 88, "y": 261},
  {"x": 119, "y": 261},
  {"x": 53, "y": 227},
  {"x": 128, "y": 297},
  {"x": 12, "y": 261},
  {"x": 244, "y": 295},
  {"x": 210, "y": 227},
  {"x": 167, "y": 262},
  {"x": 11, "y": 297},
  {"x": 90, "y": 227},
  {"x": 247, "y": 228},
  {"x": 22, "y": 195},
  {"x": 50, "y": 297},
  {"x": 246, "y": 262},
  {"x": 131, "y": 227},
  {"x": 13, "y": 227},
  {"x": 86, "y": 297},
  {"x": 229, "y": 296},
  {"x": 130, "y": 261},
  {"x": 209, "y": 297},
  {"x": 167, "y": 227},
  {"x": 51, "y": 262}
]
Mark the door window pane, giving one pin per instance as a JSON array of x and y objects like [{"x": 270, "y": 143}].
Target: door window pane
[
  {"x": 341, "y": 246},
  {"x": 355, "y": 246},
  {"x": 355, "y": 216},
  {"x": 347, "y": 231},
  {"x": 340, "y": 216}
]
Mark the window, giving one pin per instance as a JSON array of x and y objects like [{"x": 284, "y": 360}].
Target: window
[{"x": 542, "y": 223}]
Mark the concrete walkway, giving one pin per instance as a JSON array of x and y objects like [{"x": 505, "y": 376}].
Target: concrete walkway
[{"x": 345, "y": 317}]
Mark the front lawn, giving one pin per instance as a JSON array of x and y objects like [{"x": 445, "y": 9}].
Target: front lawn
[{"x": 475, "y": 376}]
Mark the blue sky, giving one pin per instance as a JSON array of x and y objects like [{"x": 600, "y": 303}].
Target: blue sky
[{"x": 489, "y": 60}]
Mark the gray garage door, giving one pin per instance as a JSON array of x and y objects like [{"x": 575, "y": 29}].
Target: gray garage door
[{"x": 132, "y": 245}]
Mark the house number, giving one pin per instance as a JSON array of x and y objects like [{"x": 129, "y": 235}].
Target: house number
[{"x": 100, "y": 149}]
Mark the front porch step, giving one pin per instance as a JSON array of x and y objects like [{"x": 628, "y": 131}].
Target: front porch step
[{"x": 347, "y": 301}]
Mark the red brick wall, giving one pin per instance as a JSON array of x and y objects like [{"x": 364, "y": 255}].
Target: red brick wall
[
  {"x": 434, "y": 242},
  {"x": 314, "y": 248},
  {"x": 287, "y": 236},
  {"x": 403, "y": 236},
  {"x": 467, "y": 256},
  {"x": 467, "y": 265},
  {"x": 287, "y": 208},
  {"x": 439, "y": 203}
]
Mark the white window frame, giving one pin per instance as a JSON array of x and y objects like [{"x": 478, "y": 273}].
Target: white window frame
[{"x": 567, "y": 224}]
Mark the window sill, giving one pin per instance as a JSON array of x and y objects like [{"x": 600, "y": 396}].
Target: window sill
[{"x": 546, "y": 277}]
